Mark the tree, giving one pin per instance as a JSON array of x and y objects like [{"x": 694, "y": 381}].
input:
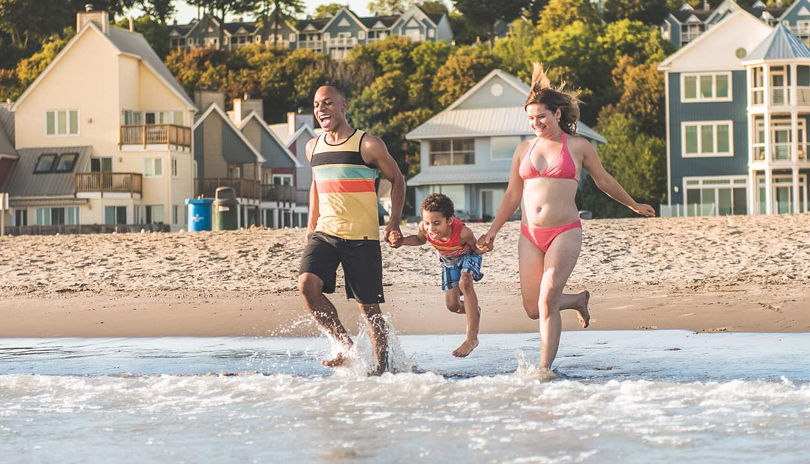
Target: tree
[
  {"x": 28, "y": 21},
  {"x": 647, "y": 11},
  {"x": 220, "y": 9},
  {"x": 161, "y": 10},
  {"x": 642, "y": 95},
  {"x": 282, "y": 10},
  {"x": 434, "y": 7},
  {"x": 485, "y": 13},
  {"x": 533, "y": 10},
  {"x": 561, "y": 13},
  {"x": 155, "y": 33},
  {"x": 388, "y": 7},
  {"x": 641, "y": 42},
  {"x": 427, "y": 58},
  {"x": 329, "y": 9},
  {"x": 515, "y": 51},
  {"x": 461, "y": 72}
]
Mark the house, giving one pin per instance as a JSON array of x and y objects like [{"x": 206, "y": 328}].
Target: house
[
  {"x": 114, "y": 149},
  {"x": 466, "y": 150},
  {"x": 294, "y": 134},
  {"x": 737, "y": 112},
  {"x": 334, "y": 35}
]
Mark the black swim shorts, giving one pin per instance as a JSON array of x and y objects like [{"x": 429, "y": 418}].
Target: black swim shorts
[{"x": 361, "y": 260}]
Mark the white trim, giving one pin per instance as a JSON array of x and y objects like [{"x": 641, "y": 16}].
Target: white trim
[
  {"x": 146, "y": 162},
  {"x": 351, "y": 13},
  {"x": 266, "y": 127},
  {"x": 481, "y": 83},
  {"x": 174, "y": 167},
  {"x": 713, "y": 154},
  {"x": 731, "y": 184},
  {"x": 669, "y": 140},
  {"x": 282, "y": 176},
  {"x": 214, "y": 107},
  {"x": 298, "y": 133},
  {"x": 67, "y": 111},
  {"x": 411, "y": 12},
  {"x": 793, "y": 6},
  {"x": 714, "y": 98}
]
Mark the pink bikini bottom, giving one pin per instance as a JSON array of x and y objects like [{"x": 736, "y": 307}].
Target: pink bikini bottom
[{"x": 543, "y": 236}]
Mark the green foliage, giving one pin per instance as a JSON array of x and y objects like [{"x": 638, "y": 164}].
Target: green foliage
[
  {"x": 387, "y": 7},
  {"x": 560, "y": 13},
  {"x": 30, "y": 68},
  {"x": 328, "y": 9},
  {"x": 515, "y": 52},
  {"x": 434, "y": 7},
  {"x": 642, "y": 95},
  {"x": 485, "y": 13},
  {"x": 650, "y": 12},
  {"x": 161, "y": 10},
  {"x": 640, "y": 42},
  {"x": 461, "y": 72},
  {"x": 10, "y": 88},
  {"x": 155, "y": 32}
]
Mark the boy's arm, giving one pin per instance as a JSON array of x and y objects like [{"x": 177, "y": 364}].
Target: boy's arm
[
  {"x": 412, "y": 240},
  {"x": 468, "y": 238}
]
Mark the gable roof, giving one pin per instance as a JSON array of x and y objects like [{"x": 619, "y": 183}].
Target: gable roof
[
  {"x": 486, "y": 122},
  {"x": 7, "y": 132},
  {"x": 792, "y": 7},
  {"x": 317, "y": 24},
  {"x": 215, "y": 109},
  {"x": 24, "y": 183},
  {"x": 683, "y": 15},
  {"x": 252, "y": 116},
  {"x": 780, "y": 45},
  {"x": 386, "y": 21},
  {"x": 282, "y": 132},
  {"x": 125, "y": 42},
  {"x": 350, "y": 13}
]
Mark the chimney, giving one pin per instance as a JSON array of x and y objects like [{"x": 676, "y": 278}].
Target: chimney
[
  {"x": 204, "y": 98},
  {"x": 291, "y": 123},
  {"x": 131, "y": 24},
  {"x": 101, "y": 18},
  {"x": 706, "y": 5},
  {"x": 299, "y": 120},
  {"x": 243, "y": 106}
]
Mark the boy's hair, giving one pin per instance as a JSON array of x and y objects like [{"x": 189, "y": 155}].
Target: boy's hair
[{"x": 438, "y": 203}]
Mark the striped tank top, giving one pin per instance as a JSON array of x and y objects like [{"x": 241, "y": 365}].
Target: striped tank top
[
  {"x": 451, "y": 248},
  {"x": 347, "y": 199}
]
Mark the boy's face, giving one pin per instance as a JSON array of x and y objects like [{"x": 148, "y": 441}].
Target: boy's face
[{"x": 437, "y": 226}]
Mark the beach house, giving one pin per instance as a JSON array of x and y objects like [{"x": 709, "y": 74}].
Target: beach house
[
  {"x": 466, "y": 150},
  {"x": 334, "y": 35},
  {"x": 294, "y": 134},
  {"x": 737, "y": 111},
  {"x": 101, "y": 137}
]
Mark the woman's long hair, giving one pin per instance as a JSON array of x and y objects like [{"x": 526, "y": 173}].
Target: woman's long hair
[{"x": 554, "y": 99}]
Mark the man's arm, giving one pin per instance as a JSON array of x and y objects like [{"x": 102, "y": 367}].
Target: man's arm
[
  {"x": 375, "y": 152},
  {"x": 313, "y": 193}
]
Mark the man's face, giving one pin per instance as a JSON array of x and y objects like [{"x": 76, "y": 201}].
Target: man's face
[{"x": 330, "y": 108}]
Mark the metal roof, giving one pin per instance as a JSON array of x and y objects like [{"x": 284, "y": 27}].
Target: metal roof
[
  {"x": 24, "y": 183},
  {"x": 780, "y": 45},
  {"x": 470, "y": 177},
  {"x": 7, "y": 131}
]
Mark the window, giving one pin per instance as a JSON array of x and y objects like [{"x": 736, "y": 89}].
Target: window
[
  {"x": 21, "y": 217},
  {"x": 712, "y": 196},
  {"x": 452, "y": 152},
  {"x": 154, "y": 214},
  {"x": 430, "y": 33},
  {"x": 282, "y": 179},
  {"x": 154, "y": 167},
  {"x": 136, "y": 214},
  {"x": 66, "y": 162},
  {"x": 175, "y": 215},
  {"x": 115, "y": 215},
  {"x": 132, "y": 118},
  {"x": 57, "y": 216},
  {"x": 62, "y": 122},
  {"x": 174, "y": 167},
  {"x": 164, "y": 117},
  {"x": 100, "y": 164},
  {"x": 706, "y": 87},
  {"x": 361, "y": 35},
  {"x": 45, "y": 163},
  {"x": 457, "y": 193},
  {"x": 234, "y": 172},
  {"x": 504, "y": 147},
  {"x": 707, "y": 139}
]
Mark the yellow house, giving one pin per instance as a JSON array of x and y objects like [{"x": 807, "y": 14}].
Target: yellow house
[{"x": 103, "y": 136}]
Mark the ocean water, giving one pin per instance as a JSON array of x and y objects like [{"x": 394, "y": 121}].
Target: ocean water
[{"x": 621, "y": 397}]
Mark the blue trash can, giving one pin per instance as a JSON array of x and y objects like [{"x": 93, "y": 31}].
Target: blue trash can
[{"x": 199, "y": 214}]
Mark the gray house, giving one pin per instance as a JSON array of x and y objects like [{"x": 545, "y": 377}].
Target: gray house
[{"x": 466, "y": 150}]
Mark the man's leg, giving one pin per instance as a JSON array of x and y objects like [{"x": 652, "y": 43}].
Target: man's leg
[
  {"x": 378, "y": 334},
  {"x": 324, "y": 312}
]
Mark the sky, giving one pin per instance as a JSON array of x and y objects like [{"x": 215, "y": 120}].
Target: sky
[{"x": 186, "y": 13}]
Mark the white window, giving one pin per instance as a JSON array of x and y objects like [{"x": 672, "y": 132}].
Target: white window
[
  {"x": 164, "y": 117},
  {"x": 705, "y": 87},
  {"x": 707, "y": 138},
  {"x": 504, "y": 147},
  {"x": 174, "y": 167},
  {"x": 361, "y": 35},
  {"x": 450, "y": 152},
  {"x": 430, "y": 33},
  {"x": 132, "y": 118},
  {"x": 712, "y": 196},
  {"x": 803, "y": 26},
  {"x": 154, "y": 214},
  {"x": 282, "y": 179},
  {"x": 457, "y": 193},
  {"x": 153, "y": 167},
  {"x": 57, "y": 216},
  {"x": 62, "y": 122}
]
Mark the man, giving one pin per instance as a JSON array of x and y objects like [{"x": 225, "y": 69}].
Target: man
[{"x": 343, "y": 224}]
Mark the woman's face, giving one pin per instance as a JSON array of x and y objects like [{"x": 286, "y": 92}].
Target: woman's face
[{"x": 542, "y": 121}]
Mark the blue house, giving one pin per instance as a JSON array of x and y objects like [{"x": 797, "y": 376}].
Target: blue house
[
  {"x": 466, "y": 150},
  {"x": 737, "y": 110}
]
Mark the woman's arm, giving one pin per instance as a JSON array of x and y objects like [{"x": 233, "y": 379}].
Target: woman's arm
[
  {"x": 510, "y": 202},
  {"x": 608, "y": 183}
]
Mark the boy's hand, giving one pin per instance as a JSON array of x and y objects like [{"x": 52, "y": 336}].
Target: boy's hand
[
  {"x": 395, "y": 239},
  {"x": 486, "y": 242}
]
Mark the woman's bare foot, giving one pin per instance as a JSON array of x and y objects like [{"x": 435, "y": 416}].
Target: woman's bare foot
[
  {"x": 466, "y": 348},
  {"x": 582, "y": 312},
  {"x": 337, "y": 361}
]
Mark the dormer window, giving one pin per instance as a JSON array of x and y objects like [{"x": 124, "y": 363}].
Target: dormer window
[
  {"x": 50, "y": 162},
  {"x": 66, "y": 162},
  {"x": 45, "y": 163},
  {"x": 62, "y": 122}
]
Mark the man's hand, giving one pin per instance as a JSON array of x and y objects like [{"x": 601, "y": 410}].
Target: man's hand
[
  {"x": 643, "y": 210},
  {"x": 390, "y": 229},
  {"x": 486, "y": 242},
  {"x": 395, "y": 239}
]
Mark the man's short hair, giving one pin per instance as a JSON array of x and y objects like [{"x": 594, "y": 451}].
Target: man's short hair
[{"x": 337, "y": 89}]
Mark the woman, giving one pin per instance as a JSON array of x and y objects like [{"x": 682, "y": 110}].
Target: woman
[{"x": 545, "y": 175}]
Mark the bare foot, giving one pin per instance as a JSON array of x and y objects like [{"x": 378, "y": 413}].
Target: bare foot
[
  {"x": 337, "y": 361},
  {"x": 582, "y": 313},
  {"x": 465, "y": 348}
]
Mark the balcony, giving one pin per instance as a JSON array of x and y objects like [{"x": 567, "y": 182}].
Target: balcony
[
  {"x": 155, "y": 134},
  {"x": 302, "y": 197},
  {"x": 247, "y": 189},
  {"x": 116, "y": 183},
  {"x": 780, "y": 153},
  {"x": 310, "y": 44},
  {"x": 342, "y": 42},
  {"x": 280, "y": 193}
]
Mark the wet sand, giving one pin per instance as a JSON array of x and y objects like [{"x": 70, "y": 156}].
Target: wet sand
[{"x": 702, "y": 274}]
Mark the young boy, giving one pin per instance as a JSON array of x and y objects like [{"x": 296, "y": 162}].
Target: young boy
[{"x": 460, "y": 259}]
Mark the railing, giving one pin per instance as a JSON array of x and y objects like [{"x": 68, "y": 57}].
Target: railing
[
  {"x": 85, "y": 229},
  {"x": 311, "y": 44},
  {"x": 155, "y": 134},
  {"x": 285, "y": 193},
  {"x": 687, "y": 37},
  {"x": 781, "y": 96},
  {"x": 108, "y": 182},
  {"x": 342, "y": 42},
  {"x": 779, "y": 153},
  {"x": 244, "y": 188}
]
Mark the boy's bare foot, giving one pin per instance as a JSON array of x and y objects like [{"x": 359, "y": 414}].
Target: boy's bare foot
[
  {"x": 337, "y": 361},
  {"x": 582, "y": 312},
  {"x": 466, "y": 348}
]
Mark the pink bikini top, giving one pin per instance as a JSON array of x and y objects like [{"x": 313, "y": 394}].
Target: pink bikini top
[{"x": 562, "y": 167}]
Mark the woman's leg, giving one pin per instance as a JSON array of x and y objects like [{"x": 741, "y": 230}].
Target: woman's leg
[{"x": 559, "y": 262}]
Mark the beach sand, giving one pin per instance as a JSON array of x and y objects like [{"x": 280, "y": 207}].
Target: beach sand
[{"x": 734, "y": 273}]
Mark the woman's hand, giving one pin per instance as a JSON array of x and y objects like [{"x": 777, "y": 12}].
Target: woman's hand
[
  {"x": 486, "y": 242},
  {"x": 643, "y": 209}
]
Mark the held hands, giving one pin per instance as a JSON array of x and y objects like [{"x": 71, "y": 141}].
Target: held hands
[
  {"x": 486, "y": 242},
  {"x": 643, "y": 210},
  {"x": 393, "y": 235}
]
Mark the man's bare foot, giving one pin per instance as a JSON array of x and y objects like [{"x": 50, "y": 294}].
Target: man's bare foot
[
  {"x": 466, "y": 348},
  {"x": 337, "y": 361},
  {"x": 582, "y": 312}
]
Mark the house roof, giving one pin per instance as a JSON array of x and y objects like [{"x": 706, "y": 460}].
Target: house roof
[
  {"x": 780, "y": 45},
  {"x": 182, "y": 29},
  {"x": 469, "y": 177},
  {"x": 7, "y": 131},
  {"x": 231, "y": 156},
  {"x": 24, "y": 183},
  {"x": 683, "y": 15},
  {"x": 387, "y": 21},
  {"x": 317, "y": 23},
  {"x": 485, "y": 122},
  {"x": 233, "y": 28},
  {"x": 129, "y": 43},
  {"x": 268, "y": 162}
]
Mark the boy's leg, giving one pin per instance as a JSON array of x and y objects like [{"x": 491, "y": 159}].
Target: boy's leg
[
  {"x": 452, "y": 300},
  {"x": 473, "y": 315}
]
